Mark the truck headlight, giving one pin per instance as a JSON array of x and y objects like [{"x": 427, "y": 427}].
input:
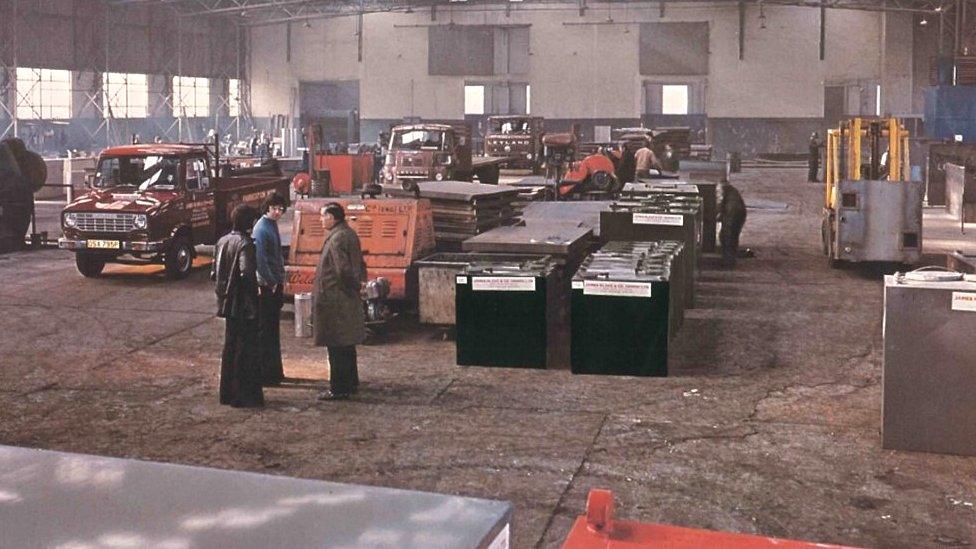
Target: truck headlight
[
  {"x": 529, "y": 156},
  {"x": 70, "y": 220},
  {"x": 438, "y": 176},
  {"x": 140, "y": 221},
  {"x": 389, "y": 176},
  {"x": 508, "y": 148}
]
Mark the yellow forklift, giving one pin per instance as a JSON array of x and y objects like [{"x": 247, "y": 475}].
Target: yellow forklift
[{"x": 872, "y": 212}]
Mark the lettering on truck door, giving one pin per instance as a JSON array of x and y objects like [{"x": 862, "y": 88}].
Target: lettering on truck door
[{"x": 201, "y": 207}]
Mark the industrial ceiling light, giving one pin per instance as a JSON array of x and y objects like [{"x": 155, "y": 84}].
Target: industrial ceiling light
[
  {"x": 307, "y": 24},
  {"x": 924, "y": 21}
]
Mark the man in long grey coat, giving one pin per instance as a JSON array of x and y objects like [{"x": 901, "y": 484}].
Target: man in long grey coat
[{"x": 339, "y": 321}]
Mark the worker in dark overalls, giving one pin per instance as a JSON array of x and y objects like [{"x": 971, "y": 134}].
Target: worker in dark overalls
[{"x": 814, "y": 159}]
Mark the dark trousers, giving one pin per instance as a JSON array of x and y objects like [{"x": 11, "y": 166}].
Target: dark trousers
[
  {"x": 343, "y": 372},
  {"x": 240, "y": 377},
  {"x": 813, "y": 166},
  {"x": 269, "y": 336},
  {"x": 729, "y": 238}
]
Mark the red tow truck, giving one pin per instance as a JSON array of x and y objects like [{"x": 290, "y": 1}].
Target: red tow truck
[{"x": 154, "y": 203}]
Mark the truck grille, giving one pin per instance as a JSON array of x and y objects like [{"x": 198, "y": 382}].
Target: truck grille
[{"x": 106, "y": 222}]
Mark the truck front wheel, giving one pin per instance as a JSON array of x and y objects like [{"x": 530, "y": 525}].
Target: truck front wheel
[
  {"x": 89, "y": 265},
  {"x": 179, "y": 259}
]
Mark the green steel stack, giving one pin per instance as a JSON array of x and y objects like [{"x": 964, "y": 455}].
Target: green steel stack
[
  {"x": 626, "y": 307},
  {"x": 662, "y": 216},
  {"x": 507, "y": 313}
]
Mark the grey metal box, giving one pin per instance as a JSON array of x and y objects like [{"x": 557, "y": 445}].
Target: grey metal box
[
  {"x": 879, "y": 221},
  {"x": 56, "y": 499},
  {"x": 960, "y": 189},
  {"x": 929, "y": 375}
]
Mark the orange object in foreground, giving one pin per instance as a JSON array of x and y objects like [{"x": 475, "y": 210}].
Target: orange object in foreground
[{"x": 598, "y": 529}]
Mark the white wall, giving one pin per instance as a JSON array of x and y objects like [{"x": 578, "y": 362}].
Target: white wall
[{"x": 576, "y": 71}]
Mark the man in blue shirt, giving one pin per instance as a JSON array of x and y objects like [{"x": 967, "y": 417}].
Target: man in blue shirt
[{"x": 271, "y": 285}]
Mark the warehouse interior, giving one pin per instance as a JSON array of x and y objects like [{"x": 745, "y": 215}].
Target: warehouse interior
[{"x": 547, "y": 328}]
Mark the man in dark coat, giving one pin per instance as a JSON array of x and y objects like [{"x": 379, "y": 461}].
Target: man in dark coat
[
  {"x": 237, "y": 303},
  {"x": 813, "y": 163},
  {"x": 732, "y": 215},
  {"x": 271, "y": 286},
  {"x": 338, "y": 318}
]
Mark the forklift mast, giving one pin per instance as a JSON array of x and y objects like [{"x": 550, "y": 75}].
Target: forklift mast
[{"x": 855, "y": 150}]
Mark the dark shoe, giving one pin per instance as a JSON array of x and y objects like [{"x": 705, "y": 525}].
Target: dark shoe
[{"x": 329, "y": 395}]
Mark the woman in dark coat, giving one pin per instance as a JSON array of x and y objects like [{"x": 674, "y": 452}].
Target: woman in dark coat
[{"x": 234, "y": 271}]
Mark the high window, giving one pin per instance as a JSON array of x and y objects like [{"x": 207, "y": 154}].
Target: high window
[
  {"x": 125, "y": 95},
  {"x": 674, "y": 99},
  {"x": 43, "y": 94},
  {"x": 191, "y": 96},
  {"x": 474, "y": 99}
]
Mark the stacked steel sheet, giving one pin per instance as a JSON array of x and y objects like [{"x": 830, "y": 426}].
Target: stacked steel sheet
[
  {"x": 659, "y": 217},
  {"x": 502, "y": 302},
  {"x": 462, "y": 209},
  {"x": 626, "y": 307},
  {"x": 566, "y": 244},
  {"x": 565, "y": 214},
  {"x": 705, "y": 189}
]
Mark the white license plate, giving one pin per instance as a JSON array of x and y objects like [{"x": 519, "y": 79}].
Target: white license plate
[{"x": 104, "y": 244}]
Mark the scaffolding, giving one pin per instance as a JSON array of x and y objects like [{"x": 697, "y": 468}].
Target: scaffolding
[{"x": 92, "y": 116}]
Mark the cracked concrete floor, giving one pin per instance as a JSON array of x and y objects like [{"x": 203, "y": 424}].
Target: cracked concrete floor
[{"x": 769, "y": 423}]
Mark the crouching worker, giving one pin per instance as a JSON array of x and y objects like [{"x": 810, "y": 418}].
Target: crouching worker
[
  {"x": 234, "y": 270},
  {"x": 732, "y": 216},
  {"x": 338, "y": 318}
]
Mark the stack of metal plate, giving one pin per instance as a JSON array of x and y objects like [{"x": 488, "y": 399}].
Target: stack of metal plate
[
  {"x": 462, "y": 209},
  {"x": 626, "y": 307},
  {"x": 499, "y": 303},
  {"x": 704, "y": 170},
  {"x": 565, "y": 214},
  {"x": 707, "y": 190},
  {"x": 567, "y": 244},
  {"x": 660, "y": 217}
]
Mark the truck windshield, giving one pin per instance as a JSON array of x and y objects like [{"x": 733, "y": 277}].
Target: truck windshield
[
  {"x": 415, "y": 140},
  {"x": 144, "y": 172},
  {"x": 510, "y": 126}
]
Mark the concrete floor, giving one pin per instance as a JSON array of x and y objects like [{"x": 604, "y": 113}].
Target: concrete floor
[{"x": 769, "y": 423}]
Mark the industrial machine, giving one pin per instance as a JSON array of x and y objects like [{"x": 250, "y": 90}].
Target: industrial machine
[
  {"x": 592, "y": 177},
  {"x": 393, "y": 233},
  {"x": 871, "y": 211},
  {"x": 22, "y": 173}
]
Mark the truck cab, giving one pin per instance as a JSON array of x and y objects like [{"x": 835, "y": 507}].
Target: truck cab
[
  {"x": 434, "y": 152},
  {"x": 518, "y": 138},
  {"x": 154, "y": 204}
]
